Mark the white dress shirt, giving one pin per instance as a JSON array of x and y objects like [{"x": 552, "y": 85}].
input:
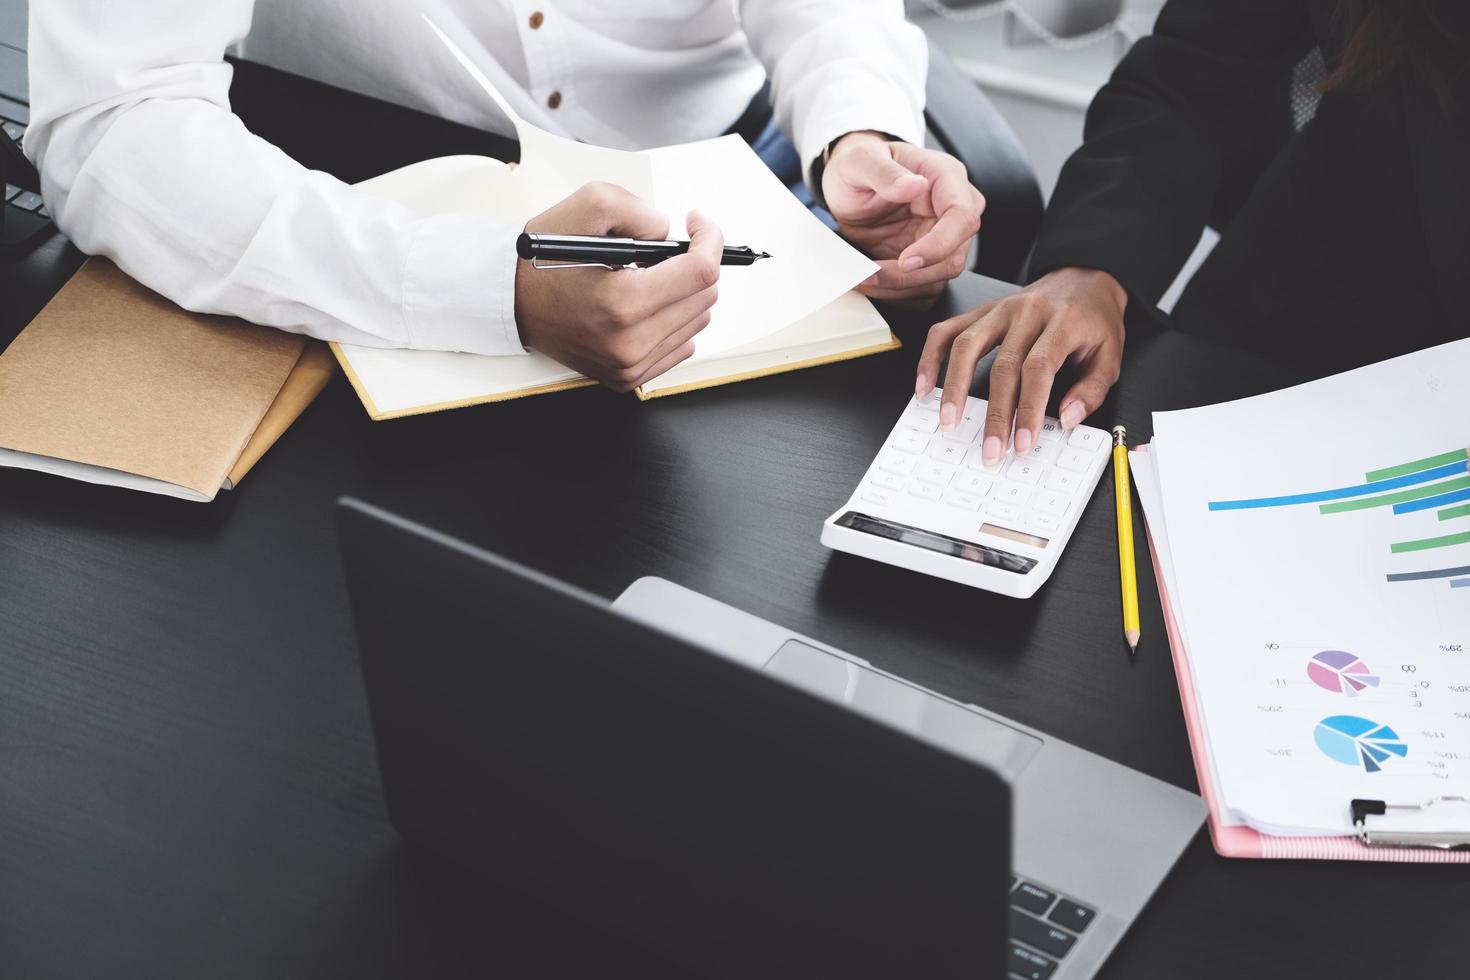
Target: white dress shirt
[{"x": 142, "y": 161}]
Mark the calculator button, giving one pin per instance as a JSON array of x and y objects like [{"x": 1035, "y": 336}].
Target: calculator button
[
  {"x": 935, "y": 473},
  {"x": 1040, "y": 521},
  {"x": 977, "y": 462},
  {"x": 1062, "y": 481},
  {"x": 888, "y": 481},
  {"x": 1051, "y": 502},
  {"x": 1044, "y": 452},
  {"x": 968, "y": 430},
  {"x": 932, "y": 399},
  {"x": 921, "y": 420},
  {"x": 1024, "y": 471},
  {"x": 1015, "y": 494},
  {"x": 1051, "y": 430},
  {"x": 926, "y": 490},
  {"x": 1003, "y": 512},
  {"x": 1085, "y": 438},
  {"x": 900, "y": 463},
  {"x": 1075, "y": 460},
  {"x": 11, "y": 192},
  {"x": 875, "y": 496},
  {"x": 947, "y": 452},
  {"x": 971, "y": 482},
  {"x": 15, "y": 131},
  {"x": 27, "y": 201},
  {"x": 909, "y": 442},
  {"x": 962, "y": 500}
]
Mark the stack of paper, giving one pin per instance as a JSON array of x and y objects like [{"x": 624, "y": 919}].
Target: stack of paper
[
  {"x": 1313, "y": 549},
  {"x": 788, "y": 311}
]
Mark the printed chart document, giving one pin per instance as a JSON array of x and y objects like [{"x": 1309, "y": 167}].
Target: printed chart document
[
  {"x": 787, "y": 311},
  {"x": 1315, "y": 543}
]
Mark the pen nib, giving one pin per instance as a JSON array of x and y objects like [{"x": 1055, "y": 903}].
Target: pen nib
[{"x": 763, "y": 255}]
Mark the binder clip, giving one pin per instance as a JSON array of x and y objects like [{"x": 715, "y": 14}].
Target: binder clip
[{"x": 1446, "y": 840}]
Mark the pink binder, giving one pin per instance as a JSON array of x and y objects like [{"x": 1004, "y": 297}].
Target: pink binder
[{"x": 1244, "y": 842}]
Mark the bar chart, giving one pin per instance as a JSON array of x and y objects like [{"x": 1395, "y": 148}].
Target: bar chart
[{"x": 1439, "y": 483}]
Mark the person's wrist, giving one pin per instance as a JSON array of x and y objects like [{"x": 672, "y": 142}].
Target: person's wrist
[
  {"x": 849, "y": 141},
  {"x": 1094, "y": 281}
]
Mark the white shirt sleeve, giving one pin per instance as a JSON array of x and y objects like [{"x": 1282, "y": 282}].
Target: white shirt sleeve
[
  {"x": 839, "y": 66},
  {"x": 142, "y": 161}
]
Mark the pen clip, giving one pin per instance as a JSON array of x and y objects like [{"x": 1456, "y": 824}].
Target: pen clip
[{"x": 537, "y": 263}]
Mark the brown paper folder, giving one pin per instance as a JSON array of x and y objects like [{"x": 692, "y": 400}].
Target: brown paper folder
[{"x": 113, "y": 384}]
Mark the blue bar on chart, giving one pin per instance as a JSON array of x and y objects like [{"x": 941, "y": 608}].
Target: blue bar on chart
[
  {"x": 1340, "y": 493},
  {"x": 1429, "y": 503}
]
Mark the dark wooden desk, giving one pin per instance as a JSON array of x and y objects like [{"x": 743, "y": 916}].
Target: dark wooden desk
[{"x": 187, "y": 781}]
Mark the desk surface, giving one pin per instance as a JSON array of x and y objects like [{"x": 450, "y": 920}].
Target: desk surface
[{"x": 187, "y": 780}]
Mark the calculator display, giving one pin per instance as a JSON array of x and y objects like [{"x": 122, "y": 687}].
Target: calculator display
[{"x": 942, "y": 543}]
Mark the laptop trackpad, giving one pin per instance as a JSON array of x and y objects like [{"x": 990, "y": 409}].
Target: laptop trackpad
[{"x": 906, "y": 707}]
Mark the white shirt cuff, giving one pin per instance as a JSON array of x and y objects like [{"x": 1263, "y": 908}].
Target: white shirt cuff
[
  {"x": 880, "y": 109},
  {"x": 459, "y": 286}
]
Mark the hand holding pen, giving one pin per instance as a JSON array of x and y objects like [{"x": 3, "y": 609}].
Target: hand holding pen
[{"x": 625, "y": 327}]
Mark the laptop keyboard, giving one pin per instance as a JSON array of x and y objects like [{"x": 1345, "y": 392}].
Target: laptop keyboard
[
  {"x": 26, "y": 219},
  {"x": 14, "y": 196},
  {"x": 1044, "y": 927}
]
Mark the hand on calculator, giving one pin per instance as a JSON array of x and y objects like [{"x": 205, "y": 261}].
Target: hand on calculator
[{"x": 1068, "y": 316}]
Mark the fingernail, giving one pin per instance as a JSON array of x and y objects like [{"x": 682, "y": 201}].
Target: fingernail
[
  {"x": 912, "y": 263},
  {"x": 946, "y": 416},
  {"x": 922, "y": 386},
  {"x": 1072, "y": 415},
  {"x": 990, "y": 452},
  {"x": 1023, "y": 441}
]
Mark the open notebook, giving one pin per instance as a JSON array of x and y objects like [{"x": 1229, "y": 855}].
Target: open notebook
[
  {"x": 793, "y": 310},
  {"x": 1312, "y": 549}
]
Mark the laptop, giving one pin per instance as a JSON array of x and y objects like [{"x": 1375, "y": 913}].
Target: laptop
[{"x": 733, "y": 796}]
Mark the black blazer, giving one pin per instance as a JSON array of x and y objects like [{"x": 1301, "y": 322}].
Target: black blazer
[{"x": 1344, "y": 243}]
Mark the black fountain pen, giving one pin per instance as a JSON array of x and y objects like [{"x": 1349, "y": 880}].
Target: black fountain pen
[{"x": 576, "y": 251}]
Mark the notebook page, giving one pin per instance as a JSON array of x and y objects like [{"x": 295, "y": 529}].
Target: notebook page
[{"x": 809, "y": 266}]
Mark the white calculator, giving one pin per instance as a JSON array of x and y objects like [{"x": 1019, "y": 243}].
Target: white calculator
[{"x": 929, "y": 504}]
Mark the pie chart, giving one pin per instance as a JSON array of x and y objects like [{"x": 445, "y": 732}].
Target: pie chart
[
  {"x": 1340, "y": 672},
  {"x": 1356, "y": 741}
]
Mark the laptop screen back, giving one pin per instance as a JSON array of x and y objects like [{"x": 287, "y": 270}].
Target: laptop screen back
[{"x": 710, "y": 813}]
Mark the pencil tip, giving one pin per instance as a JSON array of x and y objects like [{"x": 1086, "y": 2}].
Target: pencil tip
[{"x": 1132, "y": 636}]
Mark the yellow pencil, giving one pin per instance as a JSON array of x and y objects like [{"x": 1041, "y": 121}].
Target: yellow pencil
[{"x": 1126, "y": 570}]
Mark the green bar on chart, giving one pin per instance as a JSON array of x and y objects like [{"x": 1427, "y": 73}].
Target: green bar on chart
[
  {"x": 1450, "y": 513},
  {"x": 1386, "y": 499},
  {"x": 1404, "y": 469},
  {"x": 1424, "y": 544}
]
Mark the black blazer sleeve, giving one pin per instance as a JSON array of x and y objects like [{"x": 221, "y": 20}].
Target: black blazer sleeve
[{"x": 1174, "y": 127}]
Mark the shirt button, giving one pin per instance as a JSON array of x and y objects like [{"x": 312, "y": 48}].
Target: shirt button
[
  {"x": 537, "y": 19},
  {"x": 553, "y": 100}
]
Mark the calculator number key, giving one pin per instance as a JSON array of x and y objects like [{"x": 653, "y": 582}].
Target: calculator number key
[
  {"x": 1076, "y": 460},
  {"x": 1014, "y": 494},
  {"x": 1087, "y": 439}
]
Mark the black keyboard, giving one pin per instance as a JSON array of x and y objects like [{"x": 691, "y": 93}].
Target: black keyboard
[
  {"x": 26, "y": 217},
  {"x": 1044, "y": 927}
]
